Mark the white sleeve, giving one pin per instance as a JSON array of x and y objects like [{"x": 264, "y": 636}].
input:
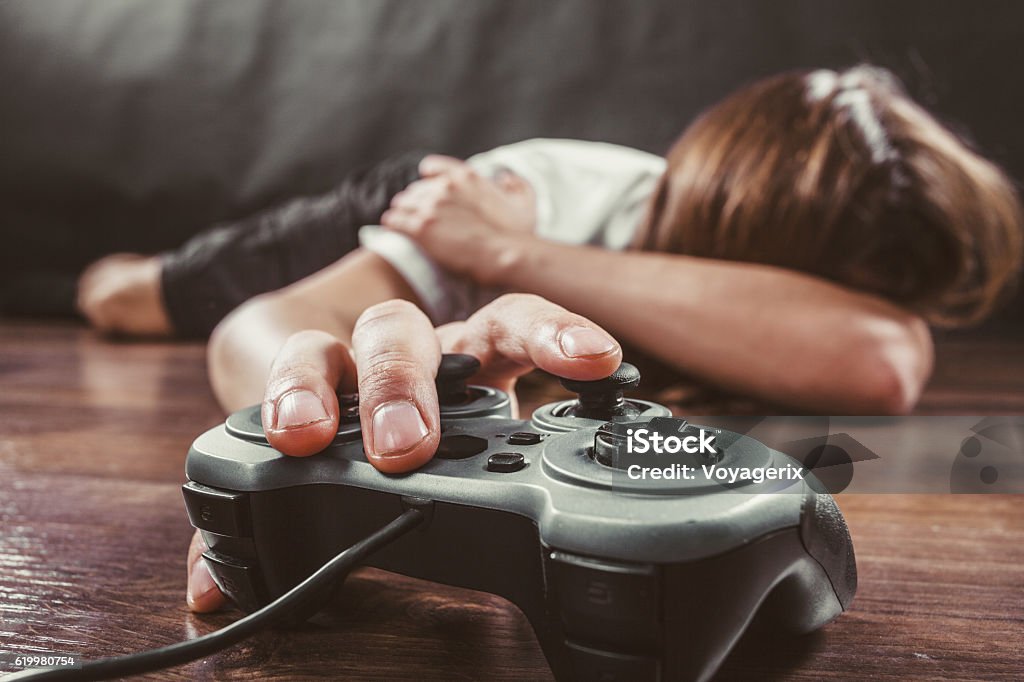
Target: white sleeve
[
  {"x": 587, "y": 192},
  {"x": 445, "y": 297}
]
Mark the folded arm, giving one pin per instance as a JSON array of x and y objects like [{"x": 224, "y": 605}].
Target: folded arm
[{"x": 766, "y": 332}]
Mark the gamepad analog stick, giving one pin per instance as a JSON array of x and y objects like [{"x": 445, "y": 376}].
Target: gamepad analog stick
[
  {"x": 452, "y": 374},
  {"x": 603, "y": 398}
]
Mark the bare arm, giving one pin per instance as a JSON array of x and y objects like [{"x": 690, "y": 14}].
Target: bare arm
[
  {"x": 766, "y": 332},
  {"x": 245, "y": 343}
]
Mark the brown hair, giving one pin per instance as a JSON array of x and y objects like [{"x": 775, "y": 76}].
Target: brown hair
[{"x": 843, "y": 176}]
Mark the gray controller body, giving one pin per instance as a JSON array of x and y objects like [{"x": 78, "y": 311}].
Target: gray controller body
[{"x": 619, "y": 582}]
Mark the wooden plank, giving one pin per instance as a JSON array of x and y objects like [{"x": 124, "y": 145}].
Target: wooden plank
[{"x": 93, "y": 538}]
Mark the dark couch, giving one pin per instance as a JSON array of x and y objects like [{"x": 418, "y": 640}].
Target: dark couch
[{"x": 132, "y": 125}]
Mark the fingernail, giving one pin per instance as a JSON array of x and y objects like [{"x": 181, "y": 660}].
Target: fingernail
[
  {"x": 578, "y": 342},
  {"x": 397, "y": 426},
  {"x": 298, "y": 408},
  {"x": 200, "y": 582}
]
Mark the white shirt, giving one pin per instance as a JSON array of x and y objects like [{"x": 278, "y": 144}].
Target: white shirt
[{"x": 586, "y": 193}]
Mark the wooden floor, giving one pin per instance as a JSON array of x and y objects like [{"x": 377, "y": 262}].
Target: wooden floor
[{"x": 93, "y": 538}]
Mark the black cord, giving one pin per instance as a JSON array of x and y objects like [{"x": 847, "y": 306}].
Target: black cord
[{"x": 184, "y": 652}]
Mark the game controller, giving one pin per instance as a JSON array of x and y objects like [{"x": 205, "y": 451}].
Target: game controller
[{"x": 620, "y": 579}]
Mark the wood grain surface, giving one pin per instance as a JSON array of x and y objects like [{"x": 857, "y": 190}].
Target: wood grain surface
[{"x": 93, "y": 538}]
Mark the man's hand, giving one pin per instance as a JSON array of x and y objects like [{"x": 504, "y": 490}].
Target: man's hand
[
  {"x": 393, "y": 361},
  {"x": 120, "y": 294},
  {"x": 457, "y": 216}
]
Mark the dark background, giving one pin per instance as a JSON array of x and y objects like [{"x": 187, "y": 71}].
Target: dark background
[{"x": 131, "y": 125}]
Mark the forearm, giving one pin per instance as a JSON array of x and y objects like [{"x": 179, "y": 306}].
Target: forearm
[
  {"x": 245, "y": 343},
  {"x": 765, "y": 332},
  {"x": 214, "y": 272}
]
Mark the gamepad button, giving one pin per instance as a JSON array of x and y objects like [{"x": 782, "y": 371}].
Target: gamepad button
[
  {"x": 505, "y": 462},
  {"x": 524, "y": 438},
  {"x": 609, "y": 602},
  {"x": 611, "y": 666},
  {"x": 234, "y": 579},
  {"x": 218, "y": 511}
]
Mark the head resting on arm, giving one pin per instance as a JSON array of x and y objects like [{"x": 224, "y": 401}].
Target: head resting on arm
[{"x": 843, "y": 176}]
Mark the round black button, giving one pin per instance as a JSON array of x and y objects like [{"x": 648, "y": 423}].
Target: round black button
[
  {"x": 505, "y": 462},
  {"x": 524, "y": 438}
]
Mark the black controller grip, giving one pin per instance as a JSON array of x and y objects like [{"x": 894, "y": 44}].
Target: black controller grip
[
  {"x": 591, "y": 616},
  {"x": 826, "y": 538}
]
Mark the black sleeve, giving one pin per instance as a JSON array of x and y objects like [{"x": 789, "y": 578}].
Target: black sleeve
[{"x": 212, "y": 273}]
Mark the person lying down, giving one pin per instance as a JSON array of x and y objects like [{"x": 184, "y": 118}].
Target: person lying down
[{"x": 794, "y": 246}]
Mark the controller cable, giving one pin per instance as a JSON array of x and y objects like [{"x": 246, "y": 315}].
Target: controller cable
[{"x": 200, "y": 647}]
